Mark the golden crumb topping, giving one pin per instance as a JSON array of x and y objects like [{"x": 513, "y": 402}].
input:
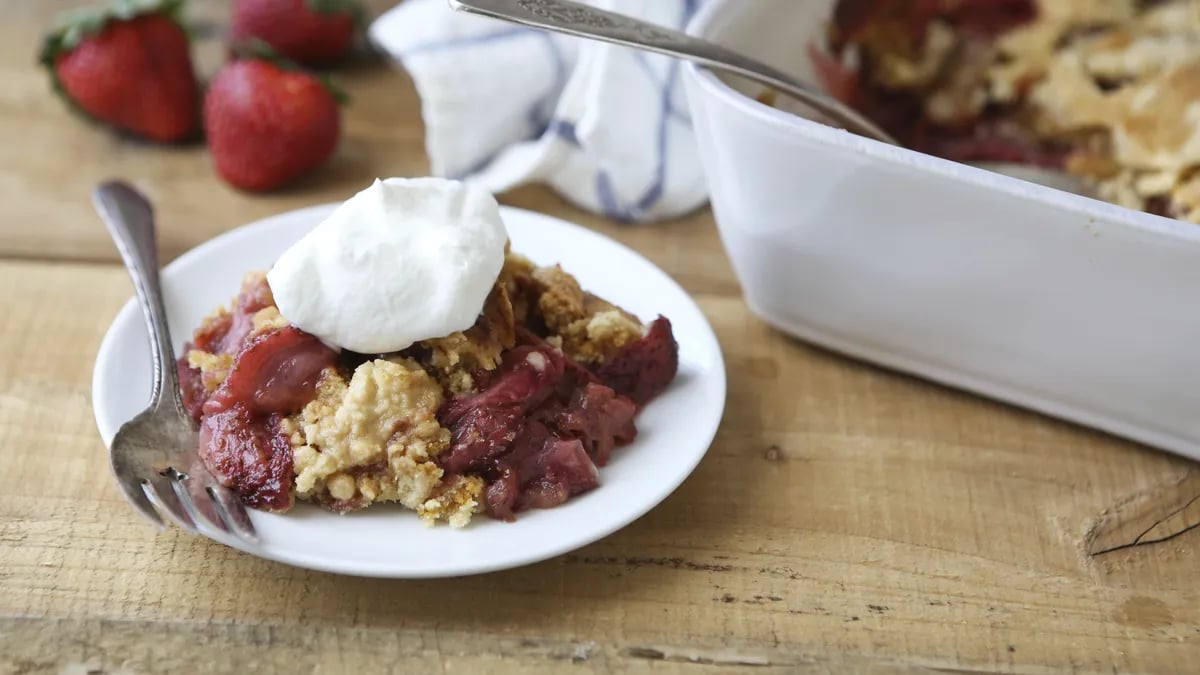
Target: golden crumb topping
[
  {"x": 374, "y": 439},
  {"x": 1118, "y": 81},
  {"x": 903, "y": 71},
  {"x": 584, "y": 326},
  {"x": 456, "y": 358},
  {"x": 595, "y": 338},
  {"x": 1131, "y": 75},
  {"x": 267, "y": 319},
  {"x": 214, "y": 368},
  {"x": 455, "y": 501},
  {"x": 515, "y": 277},
  {"x": 1187, "y": 197},
  {"x": 561, "y": 299}
]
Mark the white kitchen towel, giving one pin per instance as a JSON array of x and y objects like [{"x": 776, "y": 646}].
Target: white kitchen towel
[{"x": 605, "y": 126}]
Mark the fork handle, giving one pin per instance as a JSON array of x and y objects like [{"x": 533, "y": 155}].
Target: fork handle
[{"x": 130, "y": 221}]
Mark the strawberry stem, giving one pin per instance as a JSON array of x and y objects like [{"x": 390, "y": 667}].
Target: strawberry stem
[
  {"x": 351, "y": 7},
  {"x": 73, "y": 26},
  {"x": 258, "y": 50}
]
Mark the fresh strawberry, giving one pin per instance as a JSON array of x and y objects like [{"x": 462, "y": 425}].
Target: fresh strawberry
[
  {"x": 312, "y": 32},
  {"x": 268, "y": 124},
  {"x": 128, "y": 66}
]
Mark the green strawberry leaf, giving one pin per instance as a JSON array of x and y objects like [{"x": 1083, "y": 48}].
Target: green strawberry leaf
[
  {"x": 257, "y": 49},
  {"x": 352, "y": 7},
  {"x": 73, "y": 26}
]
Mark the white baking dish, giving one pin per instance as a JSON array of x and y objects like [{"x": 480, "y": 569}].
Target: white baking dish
[{"x": 1051, "y": 301}]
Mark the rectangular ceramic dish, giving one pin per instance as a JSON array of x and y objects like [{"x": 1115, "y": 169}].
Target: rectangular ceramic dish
[{"x": 1059, "y": 303}]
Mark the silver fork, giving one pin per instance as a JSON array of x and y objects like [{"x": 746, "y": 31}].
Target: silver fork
[{"x": 154, "y": 455}]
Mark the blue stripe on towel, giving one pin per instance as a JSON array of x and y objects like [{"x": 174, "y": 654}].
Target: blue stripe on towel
[
  {"x": 469, "y": 41},
  {"x": 558, "y": 127},
  {"x": 608, "y": 198},
  {"x": 542, "y": 122},
  {"x": 474, "y": 168},
  {"x": 689, "y": 10},
  {"x": 563, "y": 129},
  {"x": 667, "y": 110},
  {"x": 540, "y": 113},
  {"x": 654, "y": 192}
]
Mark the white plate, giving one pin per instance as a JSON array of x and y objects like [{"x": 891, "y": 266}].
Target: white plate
[{"x": 675, "y": 430}]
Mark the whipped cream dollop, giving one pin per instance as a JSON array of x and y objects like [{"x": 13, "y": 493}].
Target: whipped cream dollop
[{"x": 402, "y": 261}]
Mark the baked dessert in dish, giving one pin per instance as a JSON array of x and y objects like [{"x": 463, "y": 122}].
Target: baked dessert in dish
[
  {"x": 1108, "y": 90},
  {"x": 518, "y": 410}
]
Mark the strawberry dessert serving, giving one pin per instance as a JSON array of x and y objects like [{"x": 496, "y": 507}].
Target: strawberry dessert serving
[{"x": 401, "y": 352}]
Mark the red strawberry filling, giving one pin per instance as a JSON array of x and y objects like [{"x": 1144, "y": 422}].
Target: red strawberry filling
[
  {"x": 642, "y": 369},
  {"x": 249, "y": 454},
  {"x": 536, "y": 433},
  {"x": 241, "y": 440},
  {"x": 274, "y": 374},
  {"x": 985, "y": 18},
  {"x": 903, "y": 25}
]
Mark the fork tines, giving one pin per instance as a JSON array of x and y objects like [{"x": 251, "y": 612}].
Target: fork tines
[{"x": 209, "y": 509}]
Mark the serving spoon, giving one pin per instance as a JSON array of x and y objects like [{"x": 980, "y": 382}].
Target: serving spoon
[{"x": 573, "y": 18}]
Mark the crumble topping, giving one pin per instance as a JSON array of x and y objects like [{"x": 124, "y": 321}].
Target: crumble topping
[
  {"x": 589, "y": 328},
  {"x": 561, "y": 298},
  {"x": 1115, "y": 82},
  {"x": 1137, "y": 79},
  {"x": 455, "y": 502},
  {"x": 515, "y": 277},
  {"x": 214, "y": 368},
  {"x": 903, "y": 71},
  {"x": 595, "y": 338},
  {"x": 374, "y": 439},
  {"x": 457, "y": 358},
  {"x": 962, "y": 93},
  {"x": 267, "y": 319},
  {"x": 255, "y": 290}
]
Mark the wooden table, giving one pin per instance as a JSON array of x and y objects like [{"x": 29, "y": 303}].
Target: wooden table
[{"x": 846, "y": 518}]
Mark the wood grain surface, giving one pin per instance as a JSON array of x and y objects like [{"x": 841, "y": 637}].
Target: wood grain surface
[{"x": 846, "y": 519}]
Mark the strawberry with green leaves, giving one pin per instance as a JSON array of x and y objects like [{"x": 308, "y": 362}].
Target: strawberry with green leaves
[
  {"x": 311, "y": 32},
  {"x": 269, "y": 123},
  {"x": 129, "y": 66}
]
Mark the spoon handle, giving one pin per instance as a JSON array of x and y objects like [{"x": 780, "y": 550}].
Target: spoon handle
[
  {"x": 572, "y": 18},
  {"x": 130, "y": 221}
]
